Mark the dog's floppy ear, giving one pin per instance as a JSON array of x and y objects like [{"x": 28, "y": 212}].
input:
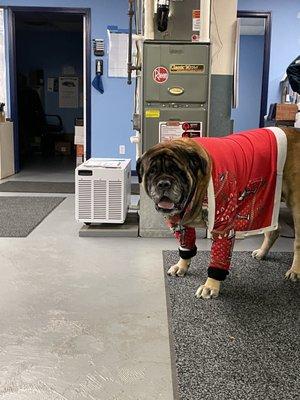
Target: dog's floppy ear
[
  {"x": 197, "y": 163},
  {"x": 139, "y": 169}
]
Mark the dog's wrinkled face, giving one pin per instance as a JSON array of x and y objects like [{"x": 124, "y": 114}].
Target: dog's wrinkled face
[{"x": 168, "y": 172}]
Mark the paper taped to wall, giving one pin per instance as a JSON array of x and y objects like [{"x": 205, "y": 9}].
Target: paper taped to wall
[
  {"x": 118, "y": 54},
  {"x": 68, "y": 92}
]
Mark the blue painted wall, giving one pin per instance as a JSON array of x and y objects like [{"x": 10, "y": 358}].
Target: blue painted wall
[
  {"x": 246, "y": 116},
  {"x": 62, "y": 49},
  {"x": 285, "y": 37},
  {"x": 111, "y": 111}
]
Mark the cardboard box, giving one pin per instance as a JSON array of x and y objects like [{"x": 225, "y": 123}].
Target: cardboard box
[
  {"x": 79, "y": 135},
  {"x": 286, "y": 112},
  {"x": 79, "y": 154},
  {"x": 79, "y": 160},
  {"x": 79, "y": 150},
  {"x": 63, "y": 148},
  {"x": 78, "y": 121}
]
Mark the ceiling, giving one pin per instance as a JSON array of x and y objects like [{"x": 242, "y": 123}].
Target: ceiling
[
  {"x": 252, "y": 26},
  {"x": 48, "y": 21}
]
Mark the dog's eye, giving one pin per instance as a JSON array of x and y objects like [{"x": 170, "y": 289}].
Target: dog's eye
[
  {"x": 153, "y": 170},
  {"x": 175, "y": 169}
]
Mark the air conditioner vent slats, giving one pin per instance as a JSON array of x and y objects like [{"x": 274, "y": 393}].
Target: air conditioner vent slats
[
  {"x": 99, "y": 199},
  {"x": 102, "y": 190},
  {"x": 115, "y": 200},
  {"x": 84, "y": 197}
]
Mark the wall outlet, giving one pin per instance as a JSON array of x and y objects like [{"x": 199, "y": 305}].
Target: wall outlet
[{"x": 122, "y": 149}]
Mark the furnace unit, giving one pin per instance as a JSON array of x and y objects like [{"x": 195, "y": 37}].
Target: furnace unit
[
  {"x": 172, "y": 89},
  {"x": 175, "y": 91}
]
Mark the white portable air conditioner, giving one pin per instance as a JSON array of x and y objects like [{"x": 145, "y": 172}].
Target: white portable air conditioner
[{"x": 102, "y": 190}]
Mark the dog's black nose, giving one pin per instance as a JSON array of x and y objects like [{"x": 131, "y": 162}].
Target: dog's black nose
[{"x": 164, "y": 184}]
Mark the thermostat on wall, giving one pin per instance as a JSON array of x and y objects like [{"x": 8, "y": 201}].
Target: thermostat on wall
[{"x": 98, "y": 47}]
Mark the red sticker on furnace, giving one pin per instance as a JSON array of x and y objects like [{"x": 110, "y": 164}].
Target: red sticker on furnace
[{"x": 160, "y": 74}]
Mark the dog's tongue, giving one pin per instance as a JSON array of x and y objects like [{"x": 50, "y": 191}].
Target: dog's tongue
[{"x": 166, "y": 204}]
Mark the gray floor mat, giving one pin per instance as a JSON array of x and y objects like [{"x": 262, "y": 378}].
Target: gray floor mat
[
  {"x": 244, "y": 344},
  {"x": 47, "y": 187},
  {"x": 37, "y": 187},
  {"x": 20, "y": 215}
]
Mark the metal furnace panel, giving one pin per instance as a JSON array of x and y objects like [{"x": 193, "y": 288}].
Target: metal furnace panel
[
  {"x": 176, "y": 72},
  {"x": 153, "y": 118},
  {"x": 183, "y": 21}
]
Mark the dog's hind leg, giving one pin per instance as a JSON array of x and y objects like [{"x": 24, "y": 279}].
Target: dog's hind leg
[
  {"x": 269, "y": 240},
  {"x": 294, "y": 272},
  {"x": 291, "y": 193}
]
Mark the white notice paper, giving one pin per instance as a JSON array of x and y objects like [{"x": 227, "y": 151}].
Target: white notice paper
[
  {"x": 175, "y": 129},
  {"x": 196, "y": 20},
  {"x": 118, "y": 55},
  {"x": 169, "y": 131},
  {"x": 68, "y": 92}
]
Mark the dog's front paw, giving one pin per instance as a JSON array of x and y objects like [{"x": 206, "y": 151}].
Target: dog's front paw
[
  {"x": 258, "y": 254},
  {"x": 178, "y": 270},
  {"x": 293, "y": 274},
  {"x": 209, "y": 290}
]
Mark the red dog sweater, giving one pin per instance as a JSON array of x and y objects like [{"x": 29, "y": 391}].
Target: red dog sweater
[{"x": 243, "y": 195}]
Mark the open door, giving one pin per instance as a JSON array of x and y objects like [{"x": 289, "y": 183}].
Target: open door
[
  {"x": 251, "y": 70},
  {"x": 3, "y": 82},
  {"x": 50, "y": 20}
]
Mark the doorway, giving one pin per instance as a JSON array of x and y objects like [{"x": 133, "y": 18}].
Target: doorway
[
  {"x": 50, "y": 91},
  {"x": 253, "y": 70}
]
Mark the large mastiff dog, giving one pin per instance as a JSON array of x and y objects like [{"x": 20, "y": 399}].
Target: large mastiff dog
[{"x": 230, "y": 185}]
